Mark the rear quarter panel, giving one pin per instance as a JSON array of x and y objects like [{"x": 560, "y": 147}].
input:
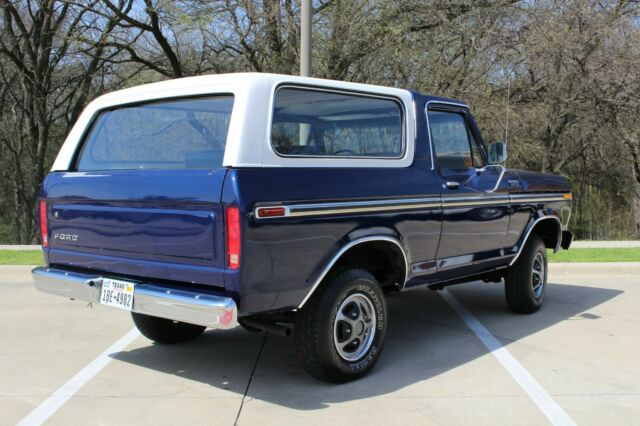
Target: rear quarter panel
[{"x": 281, "y": 257}]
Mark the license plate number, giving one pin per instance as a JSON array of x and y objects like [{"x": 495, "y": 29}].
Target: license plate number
[{"x": 118, "y": 294}]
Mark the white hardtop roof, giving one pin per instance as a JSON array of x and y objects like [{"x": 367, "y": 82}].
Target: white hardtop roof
[
  {"x": 216, "y": 82},
  {"x": 248, "y": 140}
]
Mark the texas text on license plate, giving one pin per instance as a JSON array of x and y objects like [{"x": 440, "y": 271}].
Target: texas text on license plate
[{"x": 117, "y": 293}]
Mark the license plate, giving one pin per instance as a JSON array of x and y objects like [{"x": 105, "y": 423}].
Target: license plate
[{"x": 117, "y": 293}]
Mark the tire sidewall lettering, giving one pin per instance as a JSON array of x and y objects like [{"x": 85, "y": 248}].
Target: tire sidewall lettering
[{"x": 378, "y": 304}]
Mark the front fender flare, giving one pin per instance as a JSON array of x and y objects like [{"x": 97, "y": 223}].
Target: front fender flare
[{"x": 532, "y": 225}]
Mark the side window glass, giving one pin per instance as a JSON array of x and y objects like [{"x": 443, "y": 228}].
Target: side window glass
[
  {"x": 294, "y": 138},
  {"x": 450, "y": 140},
  {"x": 319, "y": 123}
]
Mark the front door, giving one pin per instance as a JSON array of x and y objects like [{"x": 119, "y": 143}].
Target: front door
[{"x": 475, "y": 195}]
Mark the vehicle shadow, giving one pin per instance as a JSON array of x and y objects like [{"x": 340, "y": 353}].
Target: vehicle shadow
[{"x": 425, "y": 339}]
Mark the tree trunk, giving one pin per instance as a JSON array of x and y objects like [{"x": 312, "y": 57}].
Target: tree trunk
[
  {"x": 636, "y": 201},
  {"x": 636, "y": 211}
]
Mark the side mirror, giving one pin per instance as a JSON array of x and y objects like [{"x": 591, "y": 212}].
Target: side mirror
[{"x": 497, "y": 153}]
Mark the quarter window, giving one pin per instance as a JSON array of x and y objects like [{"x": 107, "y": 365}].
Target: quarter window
[{"x": 317, "y": 123}]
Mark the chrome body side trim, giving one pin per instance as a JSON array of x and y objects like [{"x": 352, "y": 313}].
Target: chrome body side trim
[
  {"x": 399, "y": 204},
  {"x": 504, "y": 201},
  {"x": 533, "y": 198},
  {"x": 187, "y": 306},
  {"x": 319, "y": 209},
  {"x": 344, "y": 249},
  {"x": 314, "y": 209},
  {"x": 533, "y": 225},
  {"x": 480, "y": 200},
  {"x": 362, "y": 206}
]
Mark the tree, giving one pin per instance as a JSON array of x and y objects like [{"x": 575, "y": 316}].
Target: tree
[
  {"x": 47, "y": 71},
  {"x": 567, "y": 69},
  {"x": 571, "y": 80}
]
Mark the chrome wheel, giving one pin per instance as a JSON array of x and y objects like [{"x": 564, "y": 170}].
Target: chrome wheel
[
  {"x": 354, "y": 327},
  {"x": 537, "y": 275}
]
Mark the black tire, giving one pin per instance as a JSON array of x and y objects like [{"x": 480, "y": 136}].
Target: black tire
[
  {"x": 163, "y": 330},
  {"x": 360, "y": 334},
  {"x": 525, "y": 288}
]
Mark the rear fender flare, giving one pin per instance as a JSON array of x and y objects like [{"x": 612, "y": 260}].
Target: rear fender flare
[{"x": 344, "y": 249}]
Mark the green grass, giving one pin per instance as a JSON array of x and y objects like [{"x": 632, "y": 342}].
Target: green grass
[
  {"x": 34, "y": 257},
  {"x": 16, "y": 257},
  {"x": 596, "y": 255}
]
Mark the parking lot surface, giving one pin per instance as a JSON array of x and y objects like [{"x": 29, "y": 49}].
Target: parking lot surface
[{"x": 582, "y": 349}]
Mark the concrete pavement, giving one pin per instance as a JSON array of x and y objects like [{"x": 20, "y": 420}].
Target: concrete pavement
[{"x": 582, "y": 348}]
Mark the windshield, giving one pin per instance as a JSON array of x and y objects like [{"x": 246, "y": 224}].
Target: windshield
[{"x": 176, "y": 134}]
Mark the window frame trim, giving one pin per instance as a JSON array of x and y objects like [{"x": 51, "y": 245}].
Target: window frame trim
[{"x": 311, "y": 88}]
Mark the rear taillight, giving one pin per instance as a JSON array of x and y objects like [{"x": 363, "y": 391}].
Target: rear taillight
[
  {"x": 44, "y": 228},
  {"x": 233, "y": 237}
]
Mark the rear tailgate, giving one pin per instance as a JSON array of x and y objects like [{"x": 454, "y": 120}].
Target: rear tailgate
[
  {"x": 142, "y": 196},
  {"x": 151, "y": 223}
]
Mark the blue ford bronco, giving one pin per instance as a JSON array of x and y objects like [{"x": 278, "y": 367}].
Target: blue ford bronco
[{"x": 288, "y": 204}]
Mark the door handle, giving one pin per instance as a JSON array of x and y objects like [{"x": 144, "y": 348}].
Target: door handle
[{"x": 452, "y": 185}]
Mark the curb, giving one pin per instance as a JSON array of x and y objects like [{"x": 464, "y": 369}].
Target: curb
[
  {"x": 17, "y": 247},
  {"x": 595, "y": 268},
  {"x": 605, "y": 244}
]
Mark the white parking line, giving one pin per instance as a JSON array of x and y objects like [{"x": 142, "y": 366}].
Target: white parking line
[
  {"x": 45, "y": 410},
  {"x": 544, "y": 401}
]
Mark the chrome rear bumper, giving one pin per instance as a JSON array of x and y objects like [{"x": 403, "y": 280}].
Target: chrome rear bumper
[{"x": 150, "y": 299}]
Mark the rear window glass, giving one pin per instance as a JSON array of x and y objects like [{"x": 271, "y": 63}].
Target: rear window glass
[
  {"x": 317, "y": 123},
  {"x": 176, "y": 134}
]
